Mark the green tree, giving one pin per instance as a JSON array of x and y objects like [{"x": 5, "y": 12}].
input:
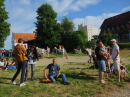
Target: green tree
[
  {"x": 48, "y": 30},
  {"x": 67, "y": 25},
  {"x": 106, "y": 37},
  {"x": 4, "y": 25}
]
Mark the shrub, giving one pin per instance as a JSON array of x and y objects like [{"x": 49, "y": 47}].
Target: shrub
[
  {"x": 124, "y": 45},
  {"x": 90, "y": 43}
]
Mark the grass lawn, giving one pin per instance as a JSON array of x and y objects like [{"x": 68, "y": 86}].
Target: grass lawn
[{"x": 83, "y": 78}]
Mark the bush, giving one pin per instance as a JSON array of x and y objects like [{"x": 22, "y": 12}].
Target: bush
[
  {"x": 90, "y": 43},
  {"x": 124, "y": 45}
]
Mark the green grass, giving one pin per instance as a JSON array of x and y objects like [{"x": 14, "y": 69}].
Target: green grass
[{"x": 83, "y": 83}]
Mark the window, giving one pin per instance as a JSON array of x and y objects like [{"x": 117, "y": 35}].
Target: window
[
  {"x": 117, "y": 27},
  {"x": 112, "y": 28},
  {"x": 122, "y": 26},
  {"x": 108, "y": 29},
  {"x": 127, "y": 25}
]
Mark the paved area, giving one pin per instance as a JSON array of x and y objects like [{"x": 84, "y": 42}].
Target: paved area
[{"x": 60, "y": 61}]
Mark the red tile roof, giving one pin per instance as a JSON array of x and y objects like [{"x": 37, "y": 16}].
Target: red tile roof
[
  {"x": 116, "y": 20},
  {"x": 24, "y": 36}
]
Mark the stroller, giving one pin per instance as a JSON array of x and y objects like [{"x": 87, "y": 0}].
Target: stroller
[{"x": 95, "y": 65}]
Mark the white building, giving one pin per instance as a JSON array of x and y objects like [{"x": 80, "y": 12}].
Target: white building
[
  {"x": 24, "y": 36},
  {"x": 90, "y": 30}
]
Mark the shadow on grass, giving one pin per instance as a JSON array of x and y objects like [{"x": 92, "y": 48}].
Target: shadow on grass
[
  {"x": 91, "y": 67},
  {"x": 78, "y": 63},
  {"x": 80, "y": 76}
]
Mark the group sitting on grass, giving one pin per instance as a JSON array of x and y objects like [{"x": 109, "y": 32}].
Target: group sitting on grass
[{"x": 6, "y": 65}]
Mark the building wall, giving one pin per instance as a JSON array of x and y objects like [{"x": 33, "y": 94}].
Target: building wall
[{"x": 90, "y": 30}]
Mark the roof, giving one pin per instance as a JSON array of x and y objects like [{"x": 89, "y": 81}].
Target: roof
[
  {"x": 24, "y": 36},
  {"x": 116, "y": 20}
]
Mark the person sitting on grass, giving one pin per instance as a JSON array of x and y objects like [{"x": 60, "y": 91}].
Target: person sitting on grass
[
  {"x": 12, "y": 65},
  {"x": 7, "y": 63},
  {"x": 2, "y": 64},
  {"x": 53, "y": 69}
]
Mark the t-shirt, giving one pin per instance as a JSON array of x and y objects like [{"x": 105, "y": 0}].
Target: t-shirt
[
  {"x": 99, "y": 57},
  {"x": 89, "y": 52},
  {"x": 42, "y": 50},
  {"x": 114, "y": 52},
  {"x": 53, "y": 69},
  {"x": 103, "y": 49},
  {"x": 2, "y": 63}
]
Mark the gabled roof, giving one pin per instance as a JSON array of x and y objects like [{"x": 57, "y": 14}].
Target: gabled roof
[
  {"x": 116, "y": 20},
  {"x": 24, "y": 36}
]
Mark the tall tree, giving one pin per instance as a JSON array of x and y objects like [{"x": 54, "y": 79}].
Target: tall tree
[
  {"x": 48, "y": 30},
  {"x": 67, "y": 25},
  {"x": 4, "y": 25},
  {"x": 106, "y": 37}
]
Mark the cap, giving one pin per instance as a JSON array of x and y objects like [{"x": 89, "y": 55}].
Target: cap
[{"x": 113, "y": 40}]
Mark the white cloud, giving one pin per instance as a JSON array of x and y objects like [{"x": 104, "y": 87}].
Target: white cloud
[
  {"x": 93, "y": 20},
  {"x": 125, "y": 9},
  {"x": 65, "y": 14},
  {"x": 83, "y": 3}
]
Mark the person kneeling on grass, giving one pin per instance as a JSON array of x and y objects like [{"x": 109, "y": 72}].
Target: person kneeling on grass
[{"x": 53, "y": 69}]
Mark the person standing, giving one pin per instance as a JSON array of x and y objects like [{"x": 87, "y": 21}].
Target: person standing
[
  {"x": 90, "y": 54},
  {"x": 116, "y": 58},
  {"x": 63, "y": 51},
  {"x": 42, "y": 52},
  {"x": 19, "y": 53},
  {"x": 32, "y": 56},
  {"x": 100, "y": 61}
]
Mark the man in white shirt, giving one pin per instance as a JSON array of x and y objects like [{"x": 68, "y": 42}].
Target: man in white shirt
[{"x": 116, "y": 58}]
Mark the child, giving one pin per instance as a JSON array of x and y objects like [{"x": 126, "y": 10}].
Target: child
[
  {"x": 108, "y": 60},
  {"x": 90, "y": 54},
  {"x": 67, "y": 56}
]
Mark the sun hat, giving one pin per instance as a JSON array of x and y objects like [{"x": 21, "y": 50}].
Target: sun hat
[{"x": 113, "y": 40}]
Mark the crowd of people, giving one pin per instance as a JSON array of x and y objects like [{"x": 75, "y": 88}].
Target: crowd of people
[
  {"x": 102, "y": 57},
  {"x": 26, "y": 58}
]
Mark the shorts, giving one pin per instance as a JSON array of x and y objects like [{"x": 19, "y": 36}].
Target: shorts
[
  {"x": 116, "y": 64},
  {"x": 101, "y": 65},
  {"x": 42, "y": 54},
  {"x": 63, "y": 53},
  {"x": 90, "y": 56}
]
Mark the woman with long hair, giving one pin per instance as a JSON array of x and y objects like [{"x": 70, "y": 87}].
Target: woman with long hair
[{"x": 32, "y": 56}]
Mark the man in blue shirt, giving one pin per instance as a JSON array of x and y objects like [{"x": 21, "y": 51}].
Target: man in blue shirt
[{"x": 53, "y": 69}]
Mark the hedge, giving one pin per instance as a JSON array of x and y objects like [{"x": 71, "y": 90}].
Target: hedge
[{"x": 124, "y": 45}]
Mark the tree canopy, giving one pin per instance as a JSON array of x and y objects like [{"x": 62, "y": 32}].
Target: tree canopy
[
  {"x": 106, "y": 37},
  {"x": 47, "y": 28},
  {"x": 4, "y": 25}
]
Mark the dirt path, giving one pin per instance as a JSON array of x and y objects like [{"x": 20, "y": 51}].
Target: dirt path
[
  {"x": 60, "y": 61},
  {"x": 71, "y": 60}
]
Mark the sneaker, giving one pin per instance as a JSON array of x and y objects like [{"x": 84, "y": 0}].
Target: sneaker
[
  {"x": 22, "y": 84},
  {"x": 12, "y": 83},
  {"x": 66, "y": 83}
]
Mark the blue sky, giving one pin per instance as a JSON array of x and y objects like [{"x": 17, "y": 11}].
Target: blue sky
[{"x": 23, "y": 14}]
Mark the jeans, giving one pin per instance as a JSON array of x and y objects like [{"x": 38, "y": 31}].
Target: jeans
[
  {"x": 11, "y": 67},
  {"x": 21, "y": 65},
  {"x": 53, "y": 77},
  {"x": 32, "y": 71},
  {"x": 101, "y": 65}
]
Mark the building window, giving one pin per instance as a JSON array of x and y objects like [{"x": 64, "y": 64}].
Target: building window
[
  {"x": 122, "y": 26},
  {"x": 117, "y": 27},
  {"x": 108, "y": 29},
  {"x": 127, "y": 25},
  {"x": 112, "y": 28}
]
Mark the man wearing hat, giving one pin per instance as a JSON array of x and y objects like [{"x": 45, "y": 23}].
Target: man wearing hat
[{"x": 116, "y": 58}]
